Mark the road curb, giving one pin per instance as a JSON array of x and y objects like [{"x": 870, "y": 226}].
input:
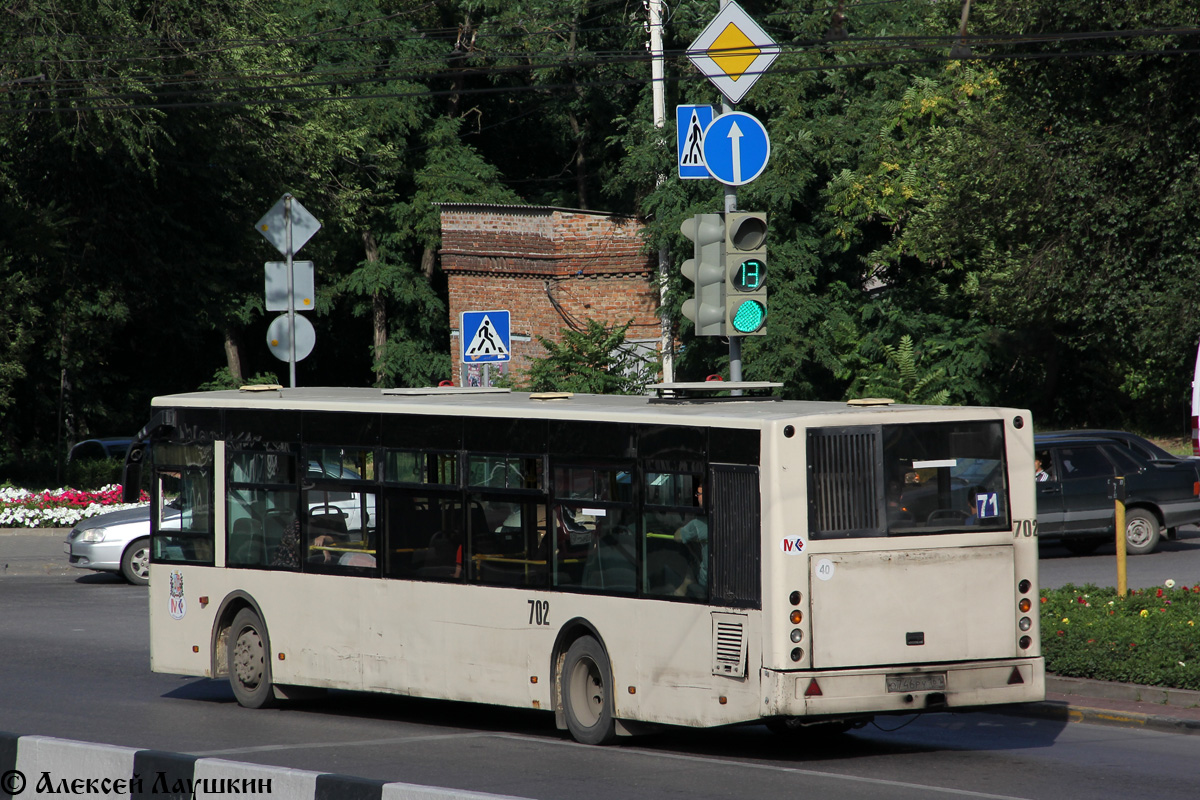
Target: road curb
[
  {"x": 1070, "y": 712},
  {"x": 31, "y": 766},
  {"x": 1127, "y": 692}
]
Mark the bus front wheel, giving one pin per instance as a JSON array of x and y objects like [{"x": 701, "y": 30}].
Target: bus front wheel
[
  {"x": 250, "y": 661},
  {"x": 587, "y": 693}
]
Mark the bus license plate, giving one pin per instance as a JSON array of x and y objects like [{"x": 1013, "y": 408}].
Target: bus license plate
[{"x": 924, "y": 682}]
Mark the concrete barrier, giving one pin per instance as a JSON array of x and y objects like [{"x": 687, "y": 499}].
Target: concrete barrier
[{"x": 43, "y": 766}]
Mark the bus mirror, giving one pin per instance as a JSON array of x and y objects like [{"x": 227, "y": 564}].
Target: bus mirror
[{"x": 131, "y": 474}]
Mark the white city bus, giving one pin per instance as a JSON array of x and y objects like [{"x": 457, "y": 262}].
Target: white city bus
[{"x": 620, "y": 561}]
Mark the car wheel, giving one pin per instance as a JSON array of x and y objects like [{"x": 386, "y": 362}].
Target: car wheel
[
  {"x": 587, "y": 693},
  {"x": 249, "y": 652},
  {"x": 135, "y": 562},
  {"x": 1142, "y": 532}
]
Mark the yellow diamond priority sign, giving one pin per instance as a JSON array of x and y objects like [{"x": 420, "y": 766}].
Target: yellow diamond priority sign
[{"x": 733, "y": 52}]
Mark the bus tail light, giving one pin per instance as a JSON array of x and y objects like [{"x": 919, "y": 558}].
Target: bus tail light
[
  {"x": 797, "y": 653},
  {"x": 797, "y": 616},
  {"x": 1025, "y": 642},
  {"x": 813, "y": 689},
  {"x": 1025, "y": 605}
]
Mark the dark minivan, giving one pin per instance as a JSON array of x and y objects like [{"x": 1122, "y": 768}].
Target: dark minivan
[{"x": 1074, "y": 503}]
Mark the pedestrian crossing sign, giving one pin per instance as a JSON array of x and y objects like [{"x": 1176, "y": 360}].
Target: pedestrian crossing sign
[
  {"x": 486, "y": 337},
  {"x": 690, "y": 124}
]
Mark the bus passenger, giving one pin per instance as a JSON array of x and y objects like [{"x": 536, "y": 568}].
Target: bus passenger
[{"x": 696, "y": 532}]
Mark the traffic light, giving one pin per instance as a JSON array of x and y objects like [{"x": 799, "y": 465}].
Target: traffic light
[
  {"x": 707, "y": 308},
  {"x": 746, "y": 273}
]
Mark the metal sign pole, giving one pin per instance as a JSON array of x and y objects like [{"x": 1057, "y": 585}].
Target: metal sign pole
[
  {"x": 735, "y": 342},
  {"x": 291, "y": 299}
]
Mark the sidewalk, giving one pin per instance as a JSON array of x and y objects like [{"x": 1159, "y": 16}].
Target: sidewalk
[{"x": 1122, "y": 704}]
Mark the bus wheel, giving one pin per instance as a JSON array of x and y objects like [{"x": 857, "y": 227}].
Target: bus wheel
[
  {"x": 249, "y": 661},
  {"x": 1141, "y": 532},
  {"x": 587, "y": 693}
]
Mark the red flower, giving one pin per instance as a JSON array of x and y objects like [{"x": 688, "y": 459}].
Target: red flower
[
  {"x": 1159, "y": 593},
  {"x": 1062, "y": 633},
  {"x": 1081, "y": 600}
]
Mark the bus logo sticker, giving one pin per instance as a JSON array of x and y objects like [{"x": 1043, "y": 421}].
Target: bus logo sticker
[
  {"x": 792, "y": 545},
  {"x": 824, "y": 569},
  {"x": 178, "y": 603}
]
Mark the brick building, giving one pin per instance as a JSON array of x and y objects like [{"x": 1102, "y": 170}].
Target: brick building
[{"x": 551, "y": 268}]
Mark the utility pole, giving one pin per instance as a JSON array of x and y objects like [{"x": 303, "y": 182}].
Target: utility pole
[{"x": 658, "y": 89}]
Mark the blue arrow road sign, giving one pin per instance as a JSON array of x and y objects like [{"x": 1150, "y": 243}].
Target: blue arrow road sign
[
  {"x": 690, "y": 122},
  {"x": 736, "y": 148},
  {"x": 485, "y": 337}
]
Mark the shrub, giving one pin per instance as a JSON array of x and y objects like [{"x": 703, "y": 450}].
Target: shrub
[
  {"x": 1148, "y": 637},
  {"x": 93, "y": 473}
]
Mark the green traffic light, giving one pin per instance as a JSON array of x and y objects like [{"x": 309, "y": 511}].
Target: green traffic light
[{"x": 749, "y": 317}]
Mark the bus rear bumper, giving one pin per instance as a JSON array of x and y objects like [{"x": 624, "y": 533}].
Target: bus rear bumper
[{"x": 905, "y": 689}]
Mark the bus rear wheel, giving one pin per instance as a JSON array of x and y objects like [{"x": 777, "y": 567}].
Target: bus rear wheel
[
  {"x": 587, "y": 693},
  {"x": 249, "y": 661}
]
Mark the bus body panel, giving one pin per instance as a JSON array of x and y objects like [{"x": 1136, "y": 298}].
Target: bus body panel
[
  {"x": 456, "y": 642},
  {"x": 912, "y": 606}
]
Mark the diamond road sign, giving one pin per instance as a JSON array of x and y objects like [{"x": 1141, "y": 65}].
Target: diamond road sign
[
  {"x": 733, "y": 52},
  {"x": 273, "y": 225}
]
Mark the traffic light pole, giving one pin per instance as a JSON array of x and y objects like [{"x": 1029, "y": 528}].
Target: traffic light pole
[
  {"x": 291, "y": 298},
  {"x": 735, "y": 342}
]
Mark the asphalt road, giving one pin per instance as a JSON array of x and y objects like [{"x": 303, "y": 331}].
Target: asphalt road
[{"x": 74, "y": 663}]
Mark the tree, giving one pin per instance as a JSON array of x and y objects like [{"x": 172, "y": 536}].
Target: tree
[
  {"x": 595, "y": 360},
  {"x": 901, "y": 377}
]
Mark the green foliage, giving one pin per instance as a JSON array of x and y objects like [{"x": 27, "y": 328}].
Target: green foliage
[
  {"x": 596, "y": 360},
  {"x": 901, "y": 378},
  {"x": 223, "y": 379},
  {"x": 92, "y": 474},
  {"x": 1148, "y": 637},
  {"x": 1028, "y": 220}
]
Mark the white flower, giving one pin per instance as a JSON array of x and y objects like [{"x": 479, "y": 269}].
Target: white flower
[{"x": 1170, "y": 584}]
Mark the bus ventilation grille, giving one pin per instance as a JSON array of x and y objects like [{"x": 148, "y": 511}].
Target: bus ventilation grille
[
  {"x": 729, "y": 645},
  {"x": 845, "y": 481}
]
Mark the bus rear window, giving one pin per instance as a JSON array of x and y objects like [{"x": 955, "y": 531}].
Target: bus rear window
[{"x": 900, "y": 480}]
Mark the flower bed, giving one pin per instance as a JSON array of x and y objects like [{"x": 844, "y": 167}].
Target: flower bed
[
  {"x": 1148, "y": 637},
  {"x": 57, "y": 508}
]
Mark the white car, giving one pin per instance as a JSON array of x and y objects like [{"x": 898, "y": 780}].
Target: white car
[{"x": 118, "y": 541}]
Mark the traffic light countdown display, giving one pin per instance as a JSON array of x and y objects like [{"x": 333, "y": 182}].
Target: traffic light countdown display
[
  {"x": 745, "y": 261},
  {"x": 706, "y": 270}
]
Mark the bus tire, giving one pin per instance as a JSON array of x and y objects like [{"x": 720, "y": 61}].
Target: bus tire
[
  {"x": 135, "y": 562},
  {"x": 1142, "y": 531},
  {"x": 250, "y": 661},
  {"x": 587, "y": 693}
]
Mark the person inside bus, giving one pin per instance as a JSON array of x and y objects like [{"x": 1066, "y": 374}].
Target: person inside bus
[{"x": 695, "y": 534}]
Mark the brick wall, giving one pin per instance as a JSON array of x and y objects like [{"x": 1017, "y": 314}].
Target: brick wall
[{"x": 548, "y": 267}]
